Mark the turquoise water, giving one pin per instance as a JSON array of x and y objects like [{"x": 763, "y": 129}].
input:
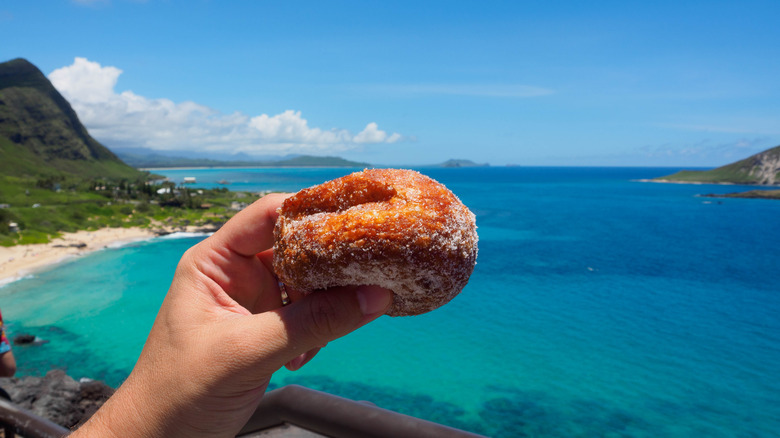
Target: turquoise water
[{"x": 600, "y": 306}]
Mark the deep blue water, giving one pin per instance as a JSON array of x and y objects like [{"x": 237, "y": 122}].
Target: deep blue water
[{"x": 600, "y": 306}]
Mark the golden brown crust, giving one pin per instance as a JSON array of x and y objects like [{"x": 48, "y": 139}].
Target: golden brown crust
[{"x": 394, "y": 228}]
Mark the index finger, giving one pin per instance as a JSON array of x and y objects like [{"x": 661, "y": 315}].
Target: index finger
[{"x": 251, "y": 230}]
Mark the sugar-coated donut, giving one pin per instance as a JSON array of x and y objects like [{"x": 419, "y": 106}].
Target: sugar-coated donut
[{"x": 393, "y": 228}]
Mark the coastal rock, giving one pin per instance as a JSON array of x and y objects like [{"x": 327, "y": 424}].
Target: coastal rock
[
  {"x": 57, "y": 396},
  {"x": 24, "y": 339}
]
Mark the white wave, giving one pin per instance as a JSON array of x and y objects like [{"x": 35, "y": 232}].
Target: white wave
[
  {"x": 6, "y": 281},
  {"x": 184, "y": 235},
  {"x": 121, "y": 243}
]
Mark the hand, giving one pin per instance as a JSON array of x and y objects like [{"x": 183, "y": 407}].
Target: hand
[{"x": 222, "y": 332}]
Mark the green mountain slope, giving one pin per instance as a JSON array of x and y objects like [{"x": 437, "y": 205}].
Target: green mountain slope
[
  {"x": 40, "y": 134},
  {"x": 762, "y": 168}
]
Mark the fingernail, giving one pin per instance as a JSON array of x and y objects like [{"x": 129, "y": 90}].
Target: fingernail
[
  {"x": 373, "y": 299},
  {"x": 297, "y": 363}
]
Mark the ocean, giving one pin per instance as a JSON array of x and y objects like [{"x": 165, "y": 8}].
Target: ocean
[{"x": 600, "y": 306}]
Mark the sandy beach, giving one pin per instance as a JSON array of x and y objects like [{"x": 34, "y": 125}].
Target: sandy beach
[{"x": 21, "y": 260}]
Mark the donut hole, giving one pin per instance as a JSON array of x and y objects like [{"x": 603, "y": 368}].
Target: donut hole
[
  {"x": 332, "y": 198},
  {"x": 425, "y": 283}
]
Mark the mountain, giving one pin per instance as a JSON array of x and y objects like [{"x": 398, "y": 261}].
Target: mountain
[
  {"x": 762, "y": 168},
  {"x": 137, "y": 152},
  {"x": 40, "y": 134},
  {"x": 312, "y": 161},
  {"x": 157, "y": 160}
]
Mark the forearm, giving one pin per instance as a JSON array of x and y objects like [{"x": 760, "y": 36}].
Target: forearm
[{"x": 129, "y": 413}]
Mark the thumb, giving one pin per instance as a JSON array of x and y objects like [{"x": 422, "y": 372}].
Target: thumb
[{"x": 324, "y": 316}]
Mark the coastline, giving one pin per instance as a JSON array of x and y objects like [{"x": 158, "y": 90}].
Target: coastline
[{"x": 19, "y": 261}]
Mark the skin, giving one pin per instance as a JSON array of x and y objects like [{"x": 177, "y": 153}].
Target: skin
[
  {"x": 7, "y": 364},
  {"x": 222, "y": 332}
]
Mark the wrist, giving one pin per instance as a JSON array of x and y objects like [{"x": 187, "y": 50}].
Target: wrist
[{"x": 129, "y": 413}]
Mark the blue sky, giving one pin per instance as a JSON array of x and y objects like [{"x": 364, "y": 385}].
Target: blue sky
[{"x": 664, "y": 83}]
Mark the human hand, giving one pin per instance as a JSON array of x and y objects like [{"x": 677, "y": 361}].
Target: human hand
[{"x": 222, "y": 332}]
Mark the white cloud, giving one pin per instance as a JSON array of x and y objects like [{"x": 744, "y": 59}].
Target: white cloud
[
  {"x": 86, "y": 81},
  {"x": 289, "y": 126},
  {"x": 128, "y": 119},
  {"x": 372, "y": 134}
]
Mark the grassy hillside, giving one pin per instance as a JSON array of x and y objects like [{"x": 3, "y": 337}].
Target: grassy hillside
[{"x": 18, "y": 160}]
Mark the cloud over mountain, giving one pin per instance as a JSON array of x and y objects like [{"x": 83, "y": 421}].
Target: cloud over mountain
[{"x": 128, "y": 119}]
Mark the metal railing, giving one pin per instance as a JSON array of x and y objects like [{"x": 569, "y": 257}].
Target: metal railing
[
  {"x": 306, "y": 408},
  {"x": 335, "y": 416},
  {"x": 16, "y": 420}
]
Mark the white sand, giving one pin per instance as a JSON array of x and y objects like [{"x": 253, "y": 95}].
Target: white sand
[{"x": 21, "y": 260}]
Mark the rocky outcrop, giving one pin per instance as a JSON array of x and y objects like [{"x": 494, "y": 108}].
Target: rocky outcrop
[
  {"x": 58, "y": 397},
  {"x": 766, "y": 167}
]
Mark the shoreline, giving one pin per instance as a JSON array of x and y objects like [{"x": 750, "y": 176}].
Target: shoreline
[
  {"x": 698, "y": 183},
  {"x": 17, "y": 262},
  {"x": 701, "y": 183}
]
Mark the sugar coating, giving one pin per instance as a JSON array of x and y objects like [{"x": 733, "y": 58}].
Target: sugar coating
[{"x": 393, "y": 228}]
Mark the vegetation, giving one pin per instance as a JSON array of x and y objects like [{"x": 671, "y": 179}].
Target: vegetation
[
  {"x": 44, "y": 207},
  {"x": 718, "y": 176}
]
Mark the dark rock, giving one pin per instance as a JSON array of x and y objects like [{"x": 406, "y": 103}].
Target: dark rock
[
  {"x": 24, "y": 339},
  {"x": 57, "y": 396}
]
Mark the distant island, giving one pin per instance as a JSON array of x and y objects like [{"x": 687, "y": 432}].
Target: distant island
[
  {"x": 762, "y": 168},
  {"x": 462, "y": 163}
]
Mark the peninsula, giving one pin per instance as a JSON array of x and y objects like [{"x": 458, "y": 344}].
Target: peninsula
[{"x": 762, "y": 168}]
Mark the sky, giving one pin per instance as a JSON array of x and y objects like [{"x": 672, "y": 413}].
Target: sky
[{"x": 558, "y": 83}]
